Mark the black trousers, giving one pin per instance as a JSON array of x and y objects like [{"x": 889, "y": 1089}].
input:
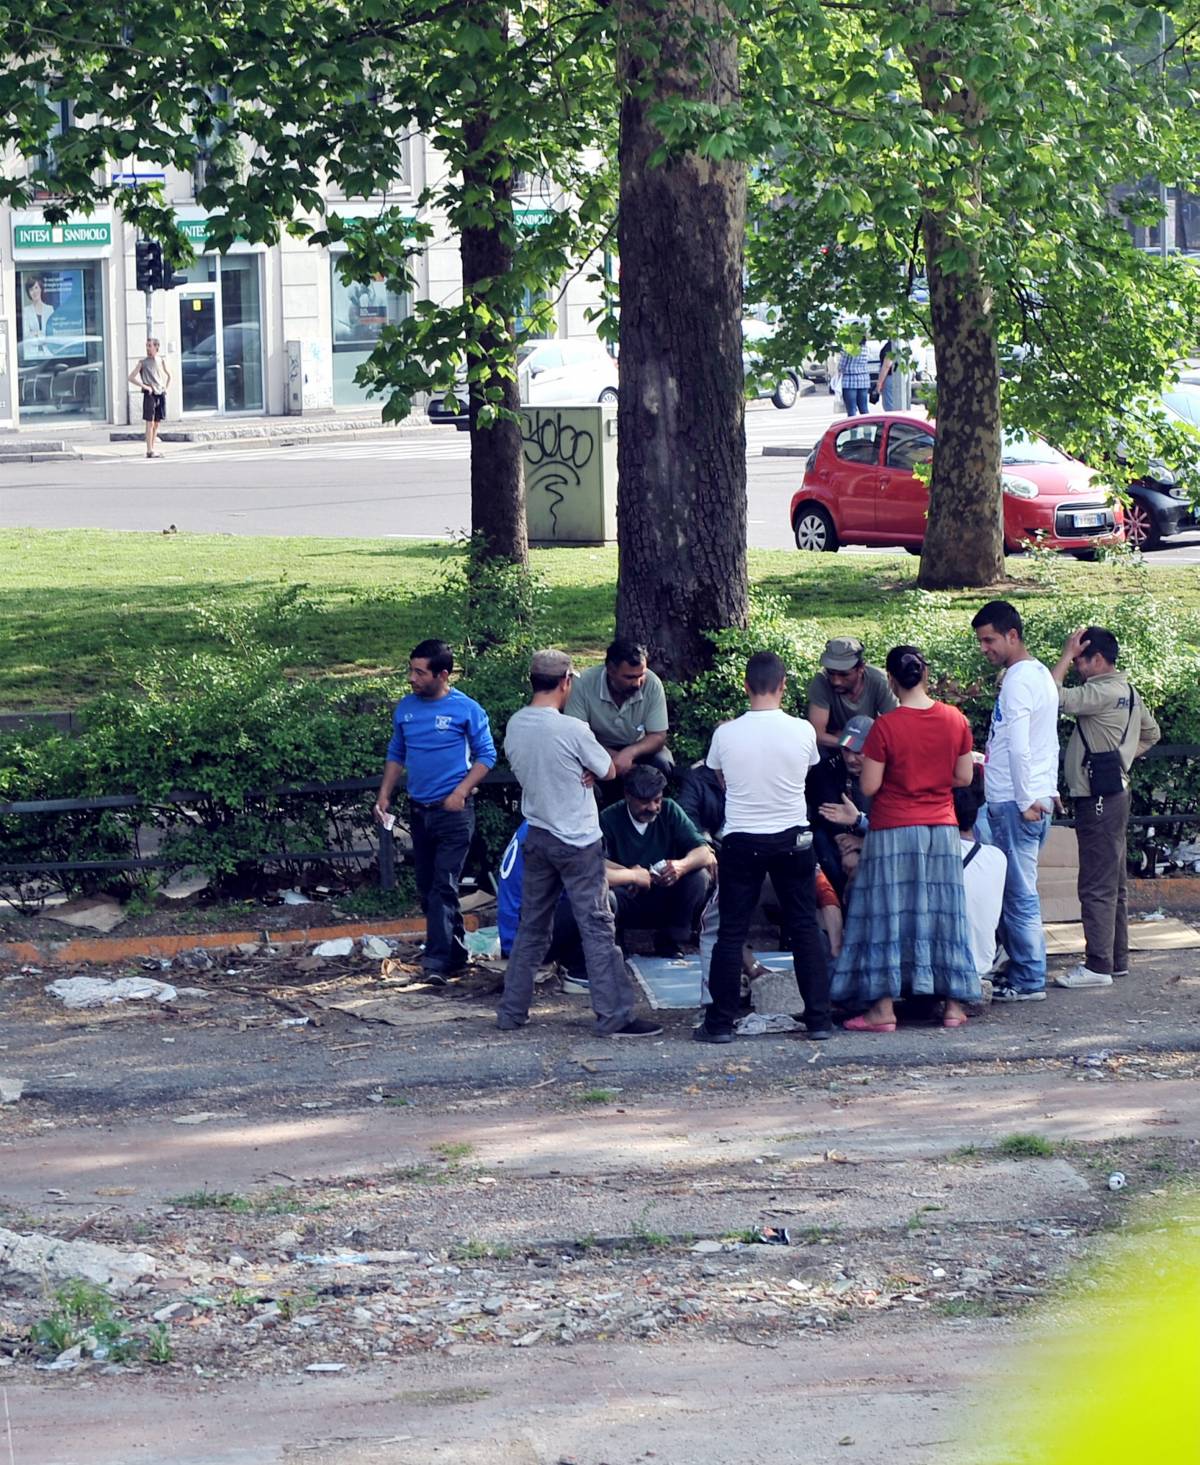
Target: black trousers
[{"x": 744, "y": 862}]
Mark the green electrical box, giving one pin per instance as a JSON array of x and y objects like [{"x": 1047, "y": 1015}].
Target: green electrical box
[{"x": 570, "y": 474}]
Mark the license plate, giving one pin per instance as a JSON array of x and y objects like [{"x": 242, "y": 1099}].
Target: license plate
[{"x": 1088, "y": 521}]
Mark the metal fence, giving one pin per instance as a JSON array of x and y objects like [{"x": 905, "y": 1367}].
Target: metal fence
[{"x": 385, "y": 850}]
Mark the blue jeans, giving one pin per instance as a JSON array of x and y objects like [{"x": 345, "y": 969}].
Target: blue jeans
[
  {"x": 440, "y": 841},
  {"x": 1021, "y": 928},
  {"x": 855, "y": 399},
  {"x": 891, "y": 392}
]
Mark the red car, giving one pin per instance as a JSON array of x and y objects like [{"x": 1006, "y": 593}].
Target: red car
[{"x": 859, "y": 488}]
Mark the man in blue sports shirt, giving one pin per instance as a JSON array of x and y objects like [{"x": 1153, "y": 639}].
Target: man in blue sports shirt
[{"x": 443, "y": 739}]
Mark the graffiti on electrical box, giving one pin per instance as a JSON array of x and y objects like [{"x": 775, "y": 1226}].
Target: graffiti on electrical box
[{"x": 556, "y": 453}]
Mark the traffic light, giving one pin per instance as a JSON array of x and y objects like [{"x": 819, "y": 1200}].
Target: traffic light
[{"x": 149, "y": 268}]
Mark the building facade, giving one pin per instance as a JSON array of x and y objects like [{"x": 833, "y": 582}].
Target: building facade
[{"x": 258, "y": 331}]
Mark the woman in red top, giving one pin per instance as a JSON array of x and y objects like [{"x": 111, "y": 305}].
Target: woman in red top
[{"x": 906, "y": 932}]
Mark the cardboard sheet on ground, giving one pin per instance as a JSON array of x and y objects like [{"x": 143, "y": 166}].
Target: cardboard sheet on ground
[
  {"x": 669, "y": 983},
  {"x": 406, "y": 1012},
  {"x": 1064, "y": 939}
]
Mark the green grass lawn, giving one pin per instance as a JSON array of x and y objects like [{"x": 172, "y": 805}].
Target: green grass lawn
[{"x": 80, "y": 610}]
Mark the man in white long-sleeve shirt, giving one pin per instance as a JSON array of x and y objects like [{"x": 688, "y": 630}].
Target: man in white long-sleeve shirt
[{"x": 1021, "y": 784}]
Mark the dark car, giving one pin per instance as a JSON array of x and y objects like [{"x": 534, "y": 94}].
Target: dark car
[
  {"x": 783, "y": 389},
  {"x": 1160, "y": 505}
]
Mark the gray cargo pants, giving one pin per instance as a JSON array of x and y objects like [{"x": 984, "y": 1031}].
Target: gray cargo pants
[
  {"x": 551, "y": 866},
  {"x": 1100, "y": 828}
]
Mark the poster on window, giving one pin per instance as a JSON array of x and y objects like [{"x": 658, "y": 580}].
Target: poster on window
[
  {"x": 360, "y": 312},
  {"x": 52, "y": 316}
]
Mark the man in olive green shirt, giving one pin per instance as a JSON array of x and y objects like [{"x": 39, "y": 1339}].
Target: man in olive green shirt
[
  {"x": 1109, "y": 716},
  {"x": 624, "y": 704},
  {"x": 845, "y": 687}
]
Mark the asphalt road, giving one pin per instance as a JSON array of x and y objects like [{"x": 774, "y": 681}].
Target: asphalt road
[{"x": 413, "y": 485}]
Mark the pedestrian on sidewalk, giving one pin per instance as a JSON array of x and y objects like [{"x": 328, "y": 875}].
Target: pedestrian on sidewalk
[
  {"x": 152, "y": 375},
  {"x": 442, "y": 740},
  {"x": 557, "y": 760},
  {"x": 763, "y": 758},
  {"x": 1020, "y": 779},
  {"x": 1113, "y": 726},
  {"x": 906, "y": 930}
]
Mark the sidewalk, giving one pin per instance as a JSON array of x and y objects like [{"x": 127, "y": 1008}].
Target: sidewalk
[{"x": 104, "y": 440}]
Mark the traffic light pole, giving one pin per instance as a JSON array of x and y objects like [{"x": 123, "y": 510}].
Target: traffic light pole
[{"x": 149, "y": 313}]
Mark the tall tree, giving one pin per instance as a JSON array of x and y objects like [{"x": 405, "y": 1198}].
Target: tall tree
[
  {"x": 980, "y": 145},
  {"x": 681, "y": 508}
]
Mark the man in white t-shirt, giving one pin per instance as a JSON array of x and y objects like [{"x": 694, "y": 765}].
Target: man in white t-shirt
[
  {"x": 763, "y": 759},
  {"x": 984, "y": 869},
  {"x": 1021, "y": 783}
]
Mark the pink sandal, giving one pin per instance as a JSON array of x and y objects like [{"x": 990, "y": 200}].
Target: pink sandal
[
  {"x": 861, "y": 1025},
  {"x": 954, "y": 1022}
]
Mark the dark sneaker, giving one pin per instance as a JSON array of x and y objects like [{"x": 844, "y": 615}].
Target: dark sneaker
[
  {"x": 702, "y": 1035},
  {"x": 668, "y": 950},
  {"x": 1012, "y": 994},
  {"x": 820, "y": 1032},
  {"x": 508, "y": 1025},
  {"x": 638, "y": 1027}
]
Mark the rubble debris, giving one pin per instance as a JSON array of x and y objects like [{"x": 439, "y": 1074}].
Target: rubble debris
[
  {"x": 36, "y": 1255},
  {"x": 754, "y": 1024},
  {"x": 378, "y": 948},
  {"x": 293, "y": 897},
  {"x": 84, "y": 992},
  {"x": 11, "y": 1089},
  {"x": 343, "y": 946},
  {"x": 195, "y": 959}
]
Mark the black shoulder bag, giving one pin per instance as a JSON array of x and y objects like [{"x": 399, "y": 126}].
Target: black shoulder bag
[{"x": 1105, "y": 771}]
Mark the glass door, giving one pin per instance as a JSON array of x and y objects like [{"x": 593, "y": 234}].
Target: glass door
[{"x": 199, "y": 347}]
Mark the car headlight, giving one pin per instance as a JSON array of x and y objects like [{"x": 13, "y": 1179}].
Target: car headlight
[{"x": 1020, "y": 488}]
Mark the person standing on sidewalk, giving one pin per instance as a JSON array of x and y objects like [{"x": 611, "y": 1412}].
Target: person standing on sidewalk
[
  {"x": 1020, "y": 779},
  {"x": 557, "y": 760},
  {"x": 444, "y": 742},
  {"x": 763, "y": 758},
  {"x": 1113, "y": 726},
  {"x": 152, "y": 376}
]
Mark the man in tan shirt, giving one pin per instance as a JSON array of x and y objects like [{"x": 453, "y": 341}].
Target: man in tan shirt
[{"x": 1109, "y": 717}]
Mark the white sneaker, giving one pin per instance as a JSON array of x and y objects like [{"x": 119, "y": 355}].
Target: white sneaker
[
  {"x": 576, "y": 986},
  {"x": 1082, "y": 976}
]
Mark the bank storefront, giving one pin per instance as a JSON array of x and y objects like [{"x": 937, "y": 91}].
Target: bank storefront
[
  {"x": 221, "y": 338},
  {"x": 60, "y": 282}
]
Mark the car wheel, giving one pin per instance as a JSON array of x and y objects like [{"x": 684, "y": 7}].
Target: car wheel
[
  {"x": 814, "y": 529},
  {"x": 914, "y": 548},
  {"x": 786, "y": 392},
  {"x": 609, "y": 396},
  {"x": 1141, "y": 526}
]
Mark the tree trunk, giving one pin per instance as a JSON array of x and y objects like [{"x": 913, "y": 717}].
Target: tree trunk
[
  {"x": 497, "y": 471},
  {"x": 964, "y": 537},
  {"x": 681, "y": 450}
]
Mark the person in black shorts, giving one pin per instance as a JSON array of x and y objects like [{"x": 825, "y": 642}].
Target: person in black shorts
[{"x": 152, "y": 376}]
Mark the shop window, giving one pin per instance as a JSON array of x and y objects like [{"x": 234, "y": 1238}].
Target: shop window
[
  {"x": 360, "y": 312},
  {"x": 46, "y": 162},
  {"x": 60, "y": 342}
]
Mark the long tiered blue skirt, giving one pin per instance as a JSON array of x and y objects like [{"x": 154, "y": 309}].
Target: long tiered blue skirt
[{"x": 906, "y": 932}]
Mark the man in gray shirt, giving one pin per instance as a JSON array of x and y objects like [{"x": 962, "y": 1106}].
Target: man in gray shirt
[
  {"x": 557, "y": 760},
  {"x": 845, "y": 687}
]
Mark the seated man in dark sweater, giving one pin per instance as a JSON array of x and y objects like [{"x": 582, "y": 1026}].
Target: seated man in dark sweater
[
  {"x": 659, "y": 865},
  {"x": 839, "y": 807}
]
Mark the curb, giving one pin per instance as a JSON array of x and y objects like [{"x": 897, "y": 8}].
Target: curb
[{"x": 107, "y": 949}]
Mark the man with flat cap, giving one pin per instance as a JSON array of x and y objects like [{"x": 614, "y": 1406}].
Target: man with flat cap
[
  {"x": 845, "y": 687},
  {"x": 557, "y": 760}
]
